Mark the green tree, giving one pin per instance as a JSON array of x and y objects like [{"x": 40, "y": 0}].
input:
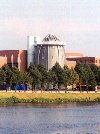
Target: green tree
[
  {"x": 26, "y": 77},
  {"x": 50, "y": 77},
  {"x": 16, "y": 76},
  {"x": 89, "y": 76},
  {"x": 60, "y": 76},
  {"x": 98, "y": 77},
  {"x": 67, "y": 76},
  {"x": 8, "y": 73},
  {"x": 2, "y": 76},
  {"x": 44, "y": 75},
  {"x": 74, "y": 77},
  {"x": 79, "y": 68},
  {"x": 35, "y": 75},
  {"x": 86, "y": 75},
  {"x": 96, "y": 70}
]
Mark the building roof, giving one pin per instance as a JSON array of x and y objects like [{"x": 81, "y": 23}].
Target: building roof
[
  {"x": 51, "y": 39},
  {"x": 73, "y": 55}
]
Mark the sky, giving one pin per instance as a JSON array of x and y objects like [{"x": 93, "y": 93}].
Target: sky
[{"x": 76, "y": 22}]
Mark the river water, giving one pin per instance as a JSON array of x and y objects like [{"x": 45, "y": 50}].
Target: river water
[{"x": 70, "y": 118}]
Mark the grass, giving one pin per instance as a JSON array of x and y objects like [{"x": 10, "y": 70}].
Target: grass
[{"x": 12, "y": 97}]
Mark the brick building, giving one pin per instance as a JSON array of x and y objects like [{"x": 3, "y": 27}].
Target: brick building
[
  {"x": 16, "y": 58},
  {"x": 89, "y": 60},
  {"x": 71, "y": 63}
]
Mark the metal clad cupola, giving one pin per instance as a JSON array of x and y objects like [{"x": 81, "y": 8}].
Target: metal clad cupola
[{"x": 51, "y": 39}]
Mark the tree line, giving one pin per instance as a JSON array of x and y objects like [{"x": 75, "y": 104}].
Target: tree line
[{"x": 82, "y": 74}]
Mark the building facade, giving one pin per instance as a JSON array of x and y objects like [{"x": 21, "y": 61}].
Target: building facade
[
  {"x": 47, "y": 52},
  {"x": 89, "y": 60},
  {"x": 16, "y": 58},
  {"x": 3, "y": 61}
]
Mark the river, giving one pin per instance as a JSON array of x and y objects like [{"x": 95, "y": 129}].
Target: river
[{"x": 70, "y": 118}]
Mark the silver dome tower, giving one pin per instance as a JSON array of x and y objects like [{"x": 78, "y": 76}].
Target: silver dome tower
[{"x": 50, "y": 51}]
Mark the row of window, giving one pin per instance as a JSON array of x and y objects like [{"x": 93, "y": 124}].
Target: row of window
[
  {"x": 85, "y": 61},
  {"x": 88, "y": 61},
  {"x": 12, "y": 65}
]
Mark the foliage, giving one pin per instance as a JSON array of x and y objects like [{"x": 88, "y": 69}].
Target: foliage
[
  {"x": 50, "y": 77},
  {"x": 79, "y": 68},
  {"x": 8, "y": 73},
  {"x": 86, "y": 75},
  {"x": 44, "y": 74},
  {"x": 2, "y": 76},
  {"x": 8, "y": 98},
  {"x": 96, "y": 70},
  {"x": 83, "y": 74},
  {"x": 25, "y": 77},
  {"x": 16, "y": 76},
  {"x": 74, "y": 77},
  {"x": 89, "y": 76},
  {"x": 67, "y": 73},
  {"x": 59, "y": 76},
  {"x": 35, "y": 74}
]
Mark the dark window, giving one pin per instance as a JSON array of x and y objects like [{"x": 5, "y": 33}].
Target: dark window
[
  {"x": 13, "y": 65},
  {"x": 10, "y": 65}
]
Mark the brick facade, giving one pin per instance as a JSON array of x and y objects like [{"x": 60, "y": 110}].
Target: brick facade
[
  {"x": 16, "y": 58},
  {"x": 89, "y": 60}
]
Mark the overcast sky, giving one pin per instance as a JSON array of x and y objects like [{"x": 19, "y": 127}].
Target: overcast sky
[{"x": 77, "y": 22}]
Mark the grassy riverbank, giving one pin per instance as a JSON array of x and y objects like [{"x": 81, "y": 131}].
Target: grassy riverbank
[{"x": 10, "y": 97}]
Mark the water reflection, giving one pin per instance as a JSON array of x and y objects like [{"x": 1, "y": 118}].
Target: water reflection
[{"x": 70, "y": 118}]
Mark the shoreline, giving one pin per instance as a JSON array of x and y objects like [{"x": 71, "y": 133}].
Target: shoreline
[{"x": 24, "y": 97}]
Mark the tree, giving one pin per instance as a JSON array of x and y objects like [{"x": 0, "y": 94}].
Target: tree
[
  {"x": 79, "y": 68},
  {"x": 35, "y": 75},
  {"x": 96, "y": 70},
  {"x": 44, "y": 75},
  {"x": 2, "y": 76},
  {"x": 26, "y": 77},
  {"x": 16, "y": 76},
  {"x": 50, "y": 77},
  {"x": 98, "y": 76},
  {"x": 89, "y": 76},
  {"x": 66, "y": 80},
  {"x": 74, "y": 77},
  {"x": 86, "y": 76},
  {"x": 8, "y": 73},
  {"x": 60, "y": 76}
]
